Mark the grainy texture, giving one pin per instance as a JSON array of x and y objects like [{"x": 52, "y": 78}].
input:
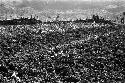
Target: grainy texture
[{"x": 86, "y": 54}]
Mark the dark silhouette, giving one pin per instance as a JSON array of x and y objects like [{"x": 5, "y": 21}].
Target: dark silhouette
[
  {"x": 95, "y": 18},
  {"x": 124, "y": 13},
  {"x": 122, "y": 20},
  {"x": 32, "y": 20},
  {"x": 21, "y": 21}
]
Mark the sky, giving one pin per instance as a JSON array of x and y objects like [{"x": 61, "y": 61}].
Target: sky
[
  {"x": 65, "y": 3},
  {"x": 70, "y": 4},
  {"x": 66, "y": 0},
  {"x": 61, "y": 0}
]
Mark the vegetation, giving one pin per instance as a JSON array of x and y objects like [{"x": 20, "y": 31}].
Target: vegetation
[{"x": 92, "y": 52}]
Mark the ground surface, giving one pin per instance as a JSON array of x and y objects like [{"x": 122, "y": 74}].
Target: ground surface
[{"x": 83, "y": 55}]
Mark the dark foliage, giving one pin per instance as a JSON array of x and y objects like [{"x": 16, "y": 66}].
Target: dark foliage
[{"x": 52, "y": 56}]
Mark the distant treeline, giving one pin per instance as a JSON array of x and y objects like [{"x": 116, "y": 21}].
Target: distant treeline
[
  {"x": 30, "y": 21},
  {"x": 21, "y": 21},
  {"x": 95, "y": 19}
]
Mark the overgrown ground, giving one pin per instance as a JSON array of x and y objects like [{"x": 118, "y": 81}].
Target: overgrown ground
[{"x": 83, "y": 55}]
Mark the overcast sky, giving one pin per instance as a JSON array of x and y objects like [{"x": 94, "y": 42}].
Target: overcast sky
[
  {"x": 64, "y": 4},
  {"x": 67, "y": 0}
]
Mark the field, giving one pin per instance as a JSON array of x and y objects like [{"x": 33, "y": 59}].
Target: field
[{"x": 62, "y": 53}]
